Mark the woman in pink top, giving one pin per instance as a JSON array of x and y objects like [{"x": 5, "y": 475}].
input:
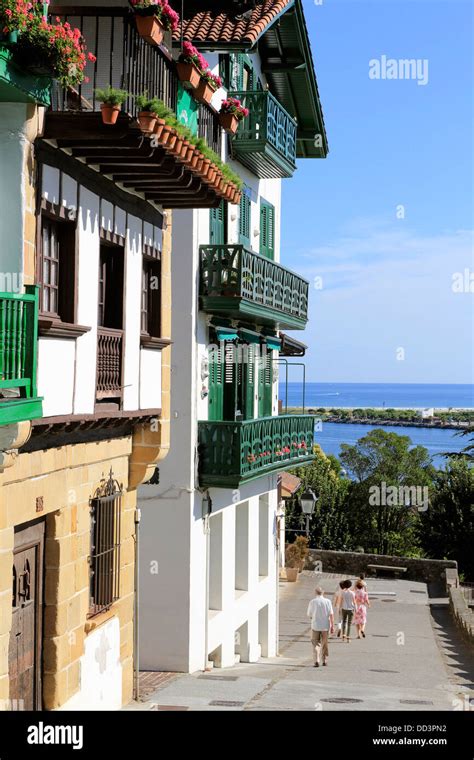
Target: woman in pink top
[{"x": 362, "y": 602}]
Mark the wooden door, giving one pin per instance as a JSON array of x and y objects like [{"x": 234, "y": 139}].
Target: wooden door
[{"x": 24, "y": 655}]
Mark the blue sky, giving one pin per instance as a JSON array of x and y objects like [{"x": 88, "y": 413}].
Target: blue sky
[{"x": 386, "y": 311}]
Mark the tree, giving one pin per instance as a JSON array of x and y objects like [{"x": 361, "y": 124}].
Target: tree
[
  {"x": 447, "y": 527},
  {"x": 467, "y": 453},
  {"x": 329, "y": 528},
  {"x": 389, "y": 478}
]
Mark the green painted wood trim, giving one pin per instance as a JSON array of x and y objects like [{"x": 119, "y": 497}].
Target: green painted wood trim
[
  {"x": 17, "y": 85},
  {"x": 20, "y": 410},
  {"x": 235, "y": 307}
]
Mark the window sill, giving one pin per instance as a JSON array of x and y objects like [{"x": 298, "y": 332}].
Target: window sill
[
  {"x": 97, "y": 620},
  {"x": 148, "y": 341},
  {"x": 54, "y": 328}
]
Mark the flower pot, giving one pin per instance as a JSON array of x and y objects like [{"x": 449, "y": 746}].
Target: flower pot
[
  {"x": 150, "y": 29},
  {"x": 205, "y": 168},
  {"x": 177, "y": 147},
  {"x": 109, "y": 113},
  {"x": 147, "y": 121},
  {"x": 188, "y": 74},
  {"x": 291, "y": 574},
  {"x": 229, "y": 122},
  {"x": 158, "y": 129},
  {"x": 171, "y": 141},
  {"x": 204, "y": 91}
]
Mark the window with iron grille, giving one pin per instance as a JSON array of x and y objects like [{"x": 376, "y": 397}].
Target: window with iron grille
[
  {"x": 104, "y": 561},
  {"x": 151, "y": 297},
  {"x": 56, "y": 270}
]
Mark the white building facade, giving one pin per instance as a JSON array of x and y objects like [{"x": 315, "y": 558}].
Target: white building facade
[{"x": 209, "y": 546}]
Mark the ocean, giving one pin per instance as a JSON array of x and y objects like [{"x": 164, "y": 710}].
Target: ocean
[
  {"x": 390, "y": 395},
  {"x": 437, "y": 441}
]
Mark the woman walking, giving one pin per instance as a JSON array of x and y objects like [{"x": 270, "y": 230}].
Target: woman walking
[
  {"x": 362, "y": 602},
  {"x": 348, "y": 608},
  {"x": 336, "y": 603}
]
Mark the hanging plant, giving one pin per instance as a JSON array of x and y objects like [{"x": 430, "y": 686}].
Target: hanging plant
[
  {"x": 190, "y": 66},
  {"x": 207, "y": 86},
  {"x": 153, "y": 18},
  {"x": 55, "y": 49},
  {"x": 232, "y": 111}
]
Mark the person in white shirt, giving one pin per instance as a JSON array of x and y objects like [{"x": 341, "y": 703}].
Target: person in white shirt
[
  {"x": 348, "y": 607},
  {"x": 322, "y": 622}
]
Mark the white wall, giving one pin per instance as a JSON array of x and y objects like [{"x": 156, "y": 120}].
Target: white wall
[{"x": 72, "y": 390}]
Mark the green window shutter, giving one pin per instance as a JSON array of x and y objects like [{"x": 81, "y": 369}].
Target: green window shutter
[
  {"x": 244, "y": 219},
  {"x": 224, "y": 69},
  {"x": 216, "y": 386},
  {"x": 267, "y": 229},
  {"x": 249, "y": 383},
  {"x": 218, "y": 224},
  {"x": 265, "y": 386}
]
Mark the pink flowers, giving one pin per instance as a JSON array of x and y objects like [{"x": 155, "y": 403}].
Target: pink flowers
[
  {"x": 161, "y": 9},
  {"x": 214, "y": 80},
  {"x": 235, "y": 107}
]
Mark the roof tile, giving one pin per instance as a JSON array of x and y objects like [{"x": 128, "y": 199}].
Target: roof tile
[{"x": 214, "y": 26}]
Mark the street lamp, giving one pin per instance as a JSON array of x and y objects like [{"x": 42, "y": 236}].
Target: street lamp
[{"x": 308, "y": 501}]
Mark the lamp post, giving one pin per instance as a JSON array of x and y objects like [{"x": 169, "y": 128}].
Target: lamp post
[{"x": 308, "y": 501}]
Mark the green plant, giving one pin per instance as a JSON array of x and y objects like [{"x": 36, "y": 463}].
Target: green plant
[
  {"x": 110, "y": 96},
  {"x": 302, "y": 544},
  {"x": 292, "y": 556}
]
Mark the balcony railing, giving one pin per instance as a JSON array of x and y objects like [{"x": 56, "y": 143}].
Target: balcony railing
[
  {"x": 109, "y": 363},
  {"x": 266, "y": 139},
  {"x": 18, "y": 356},
  {"x": 231, "y": 453},
  {"x": 125, "y": 61},
  {"x": 236, "y": 282}
]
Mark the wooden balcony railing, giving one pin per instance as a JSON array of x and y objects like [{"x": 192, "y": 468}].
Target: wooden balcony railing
[
  {"x": 125, "y": 61},
  {"x": 234, "y": 452},
  {"x": 109, "y": 363},
  {"x": 238, "y": 282},
  {"x": 18, "y": 356},
  {"x": 266, "y": 138}
]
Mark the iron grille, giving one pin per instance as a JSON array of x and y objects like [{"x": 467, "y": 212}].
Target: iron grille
[{"x": 104, "y": 559}]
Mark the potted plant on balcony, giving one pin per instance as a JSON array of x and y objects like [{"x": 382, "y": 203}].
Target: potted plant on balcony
[
  {"x": 147, "y": 113},
  {"x": 153, "y": 18},
  {"x": 292, "y": 562},
  {"x": 13, "y": 17},
  {"x": 56, "y": 50},
  {"x": 190, "y": 66},
  {"x": 208, "y": 85},
  {"x": 112, "y": 101},
  {"x": 232, "y": 111}
]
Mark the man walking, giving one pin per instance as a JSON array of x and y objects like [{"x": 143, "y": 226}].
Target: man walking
[{"x": 322, "y": 622}]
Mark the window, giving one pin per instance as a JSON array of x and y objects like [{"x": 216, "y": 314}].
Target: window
[
  {"x": 104, "y": 561},
  {"x": 244, "y": 217},
  {"x": 111, "y": 286},
  {"x": 267, "y": 229},
  {"x": 151, "y": 298},
  {"x": 57, "y": 269}
]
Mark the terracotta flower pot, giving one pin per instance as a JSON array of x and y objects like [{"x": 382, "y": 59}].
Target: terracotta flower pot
[
  {"x": 109, "y": 113},
  {"x": 158, "y": 129},
  {"x": 165, "y": 132},
  {"x": 291, "y": 574},
  {"x": 185, "y": 151},
  {"x": 171, "y": 140},
  {"x": 150, "y": 29},
  {"x": 229, "y": 122},
  {"x": 195, "y": 159},
  {"x": 205, "y": 168},
  {"x": 147, "y": 121},
  {"x": 178, "y": 146},
  {"x": 204, "y": 91},
  {"x": 188, "y": 74}
]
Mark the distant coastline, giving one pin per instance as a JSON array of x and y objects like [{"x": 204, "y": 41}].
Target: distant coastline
[{"x": 442, "y": 418}]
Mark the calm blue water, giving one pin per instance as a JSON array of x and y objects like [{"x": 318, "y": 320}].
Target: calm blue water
[
  {"x": 437, "y": 441},
  {"x": 378, "y": 395},
  {"x": 391, "y": 395}
]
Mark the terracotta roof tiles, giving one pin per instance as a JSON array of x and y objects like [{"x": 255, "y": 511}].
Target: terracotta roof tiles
[{"x": 217, "y": 27}]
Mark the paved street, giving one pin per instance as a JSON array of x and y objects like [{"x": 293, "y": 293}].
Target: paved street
[{"x": 409, "y": 661}]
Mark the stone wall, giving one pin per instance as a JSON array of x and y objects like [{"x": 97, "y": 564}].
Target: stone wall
[
  {"x": 463, "y": 616},
  {"x": 353, "y": 563}
]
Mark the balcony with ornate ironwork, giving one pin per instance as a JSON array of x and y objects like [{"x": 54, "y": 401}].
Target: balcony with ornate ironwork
[
  {"x": 238, "y": 283},
  {"x": 265, "y": 141},
  {"x": 232, "y": 453},
  {"x": 18, "y": 351},
  {"x": 123, "y": 152}
]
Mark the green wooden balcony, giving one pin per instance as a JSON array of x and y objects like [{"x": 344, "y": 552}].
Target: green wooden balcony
[
  {"x": 265, "y": 141},
  {"x": 232, "y": 453},
  {"x": 20, "y": 86},
  {"x": 237, "y": 283},
  {"x": 18, "y": 353}
]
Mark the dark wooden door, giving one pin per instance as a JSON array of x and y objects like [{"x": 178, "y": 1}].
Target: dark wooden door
[{"x": 24, "y": 656}]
